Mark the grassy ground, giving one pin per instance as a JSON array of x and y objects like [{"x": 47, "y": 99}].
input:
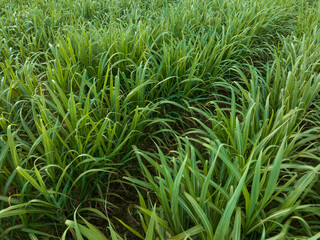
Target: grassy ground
[{"x": 159, "y": 119}]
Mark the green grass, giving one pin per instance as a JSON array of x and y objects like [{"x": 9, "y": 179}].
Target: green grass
[{"x": 206, "y": 111}]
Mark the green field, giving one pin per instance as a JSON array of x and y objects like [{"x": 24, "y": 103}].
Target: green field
[{"x": 159, "y": 119}]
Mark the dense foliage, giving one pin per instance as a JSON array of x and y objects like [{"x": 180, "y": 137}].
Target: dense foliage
[{"x": 208, "y": 110}]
